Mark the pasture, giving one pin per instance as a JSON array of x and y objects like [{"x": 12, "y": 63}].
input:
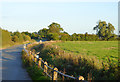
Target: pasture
[{"x": 99, "y": 49}]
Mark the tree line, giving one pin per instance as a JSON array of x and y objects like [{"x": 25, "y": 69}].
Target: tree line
[
  {"x": 54, "y": 31},
  {"x": 104, "y": 31},
  {"x": 10, "y": 38}
]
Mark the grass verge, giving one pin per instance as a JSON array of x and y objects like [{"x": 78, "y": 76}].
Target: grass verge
[
  {"x": 34, "y": 72},
  {"x": 12, "y": 44}
]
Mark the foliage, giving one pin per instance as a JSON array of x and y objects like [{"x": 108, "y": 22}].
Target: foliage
[
  {"x": 26, "y": 33},
  {"x": 9, "y": 38},
  {"x": 43, "y": 32},
  {"x": 15, "y": 38},
  {"x": 6, "y": 38},
  {"x": 33, "y": 70},
  {"x": 53, "y": 36},
  {"x": 104, "y": 31},
  {"x": 65, "y": 37},
  {"x": 19, "y": 35},
  {"x": 34, "y": 35},
  {"x": 55, "y": 28},
  {"x": 27, "y": 38},
  {"x": 55, "y": 32}
]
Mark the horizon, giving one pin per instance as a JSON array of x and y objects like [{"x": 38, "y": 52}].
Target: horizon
[{"x": 72, "y": 16}]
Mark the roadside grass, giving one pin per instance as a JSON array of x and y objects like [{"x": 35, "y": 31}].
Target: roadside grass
[
  {"x": 34, "y": 72},
  {"x": 3, "y": 46},
  {"x": 79, "y": 64}
]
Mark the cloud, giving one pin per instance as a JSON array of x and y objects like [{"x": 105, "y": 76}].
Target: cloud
[{"x": 60, "y": 0}]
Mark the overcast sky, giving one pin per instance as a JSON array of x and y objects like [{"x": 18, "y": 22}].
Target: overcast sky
[{"x": 74, "y": 16}]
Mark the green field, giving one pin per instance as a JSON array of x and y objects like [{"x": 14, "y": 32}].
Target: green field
[
  {"x": 99, "y": 58},
  {"x": 100, "y": 49}
]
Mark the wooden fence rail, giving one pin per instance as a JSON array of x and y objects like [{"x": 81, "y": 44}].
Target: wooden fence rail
[{"x": 45, "y": 67}]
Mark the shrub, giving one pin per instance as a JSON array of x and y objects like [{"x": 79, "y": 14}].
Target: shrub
[{"x": 15, "y": 38}]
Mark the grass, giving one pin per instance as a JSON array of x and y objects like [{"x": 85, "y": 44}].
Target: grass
[
  {"x": 34, "y": 72},
  {"x": 100, "y": 49},
  {"x": 82, "y": 58},
  {"x": 13, "y": 43}
]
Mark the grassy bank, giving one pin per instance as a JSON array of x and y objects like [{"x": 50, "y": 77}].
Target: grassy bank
[
  {"x": 12, "y": 44},
  {"x": 32, "y": 69},
  {"x": 80, "y": 64}
]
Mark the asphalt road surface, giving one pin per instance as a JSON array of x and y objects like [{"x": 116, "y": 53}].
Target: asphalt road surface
[{"x": 12, "y": 68}]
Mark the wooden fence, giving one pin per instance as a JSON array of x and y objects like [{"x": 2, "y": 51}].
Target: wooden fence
[{"x": 49, "y": 71}]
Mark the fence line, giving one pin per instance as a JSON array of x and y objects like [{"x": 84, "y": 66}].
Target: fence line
[{"x": 45, "y": 67}]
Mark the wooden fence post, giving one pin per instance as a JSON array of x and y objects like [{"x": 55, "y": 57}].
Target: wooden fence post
[
  {"x": 63, "y": 76},
  {"x": 30, "y": 53},
  {"x": 45, "y": 67},
  {"x": 35, "y": 58},
  {"x": 55, "y": 74},
  {"x": 32, "y": 57},
  {"x": 39, "y": 62},
  {"x": 89, "y": 77}
]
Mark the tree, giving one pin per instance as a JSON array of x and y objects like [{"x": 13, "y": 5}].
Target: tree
[
  {"x": 6, "y": 37},
  {"x": 53, "y": 36},
  {"x": 26, "y": 33},
  {"x": 19, "y": 35},
  {"x": 55, "y": 28},
  {"x": 74, "y": 37},
  {"x": 78, "y": 37},
  {"x": 64, "y": 37},
  {"x": 43, "y": 32},
  {"x": 27, "y": 38},
  {"x": 82, "y": 37},
  {"x": 86, "y": 36},
  {"x": 104, "y": 31},
  {"x": 65, "y": 32},
  {"x": 33, "y": 35},
  {"x": 15, "y": 38}
]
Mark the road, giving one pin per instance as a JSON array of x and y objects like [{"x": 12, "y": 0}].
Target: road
[{"x": 12, "y": 68}]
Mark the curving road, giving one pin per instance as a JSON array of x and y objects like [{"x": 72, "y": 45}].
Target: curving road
[{"x": 12, "y": 64}]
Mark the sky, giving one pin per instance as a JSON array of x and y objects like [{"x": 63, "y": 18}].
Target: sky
[{"x": 74, "y": 16}]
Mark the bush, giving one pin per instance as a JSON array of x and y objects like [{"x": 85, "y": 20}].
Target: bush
[
  {"x": 27, "y": 38},
  {"x": 33, "y": 70},
  {"x": 53, "y": 36},
  {"x": 15, "y": 39},
  {"x": 6, "y": 38},
  {"x": 19, "y": 35}
]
